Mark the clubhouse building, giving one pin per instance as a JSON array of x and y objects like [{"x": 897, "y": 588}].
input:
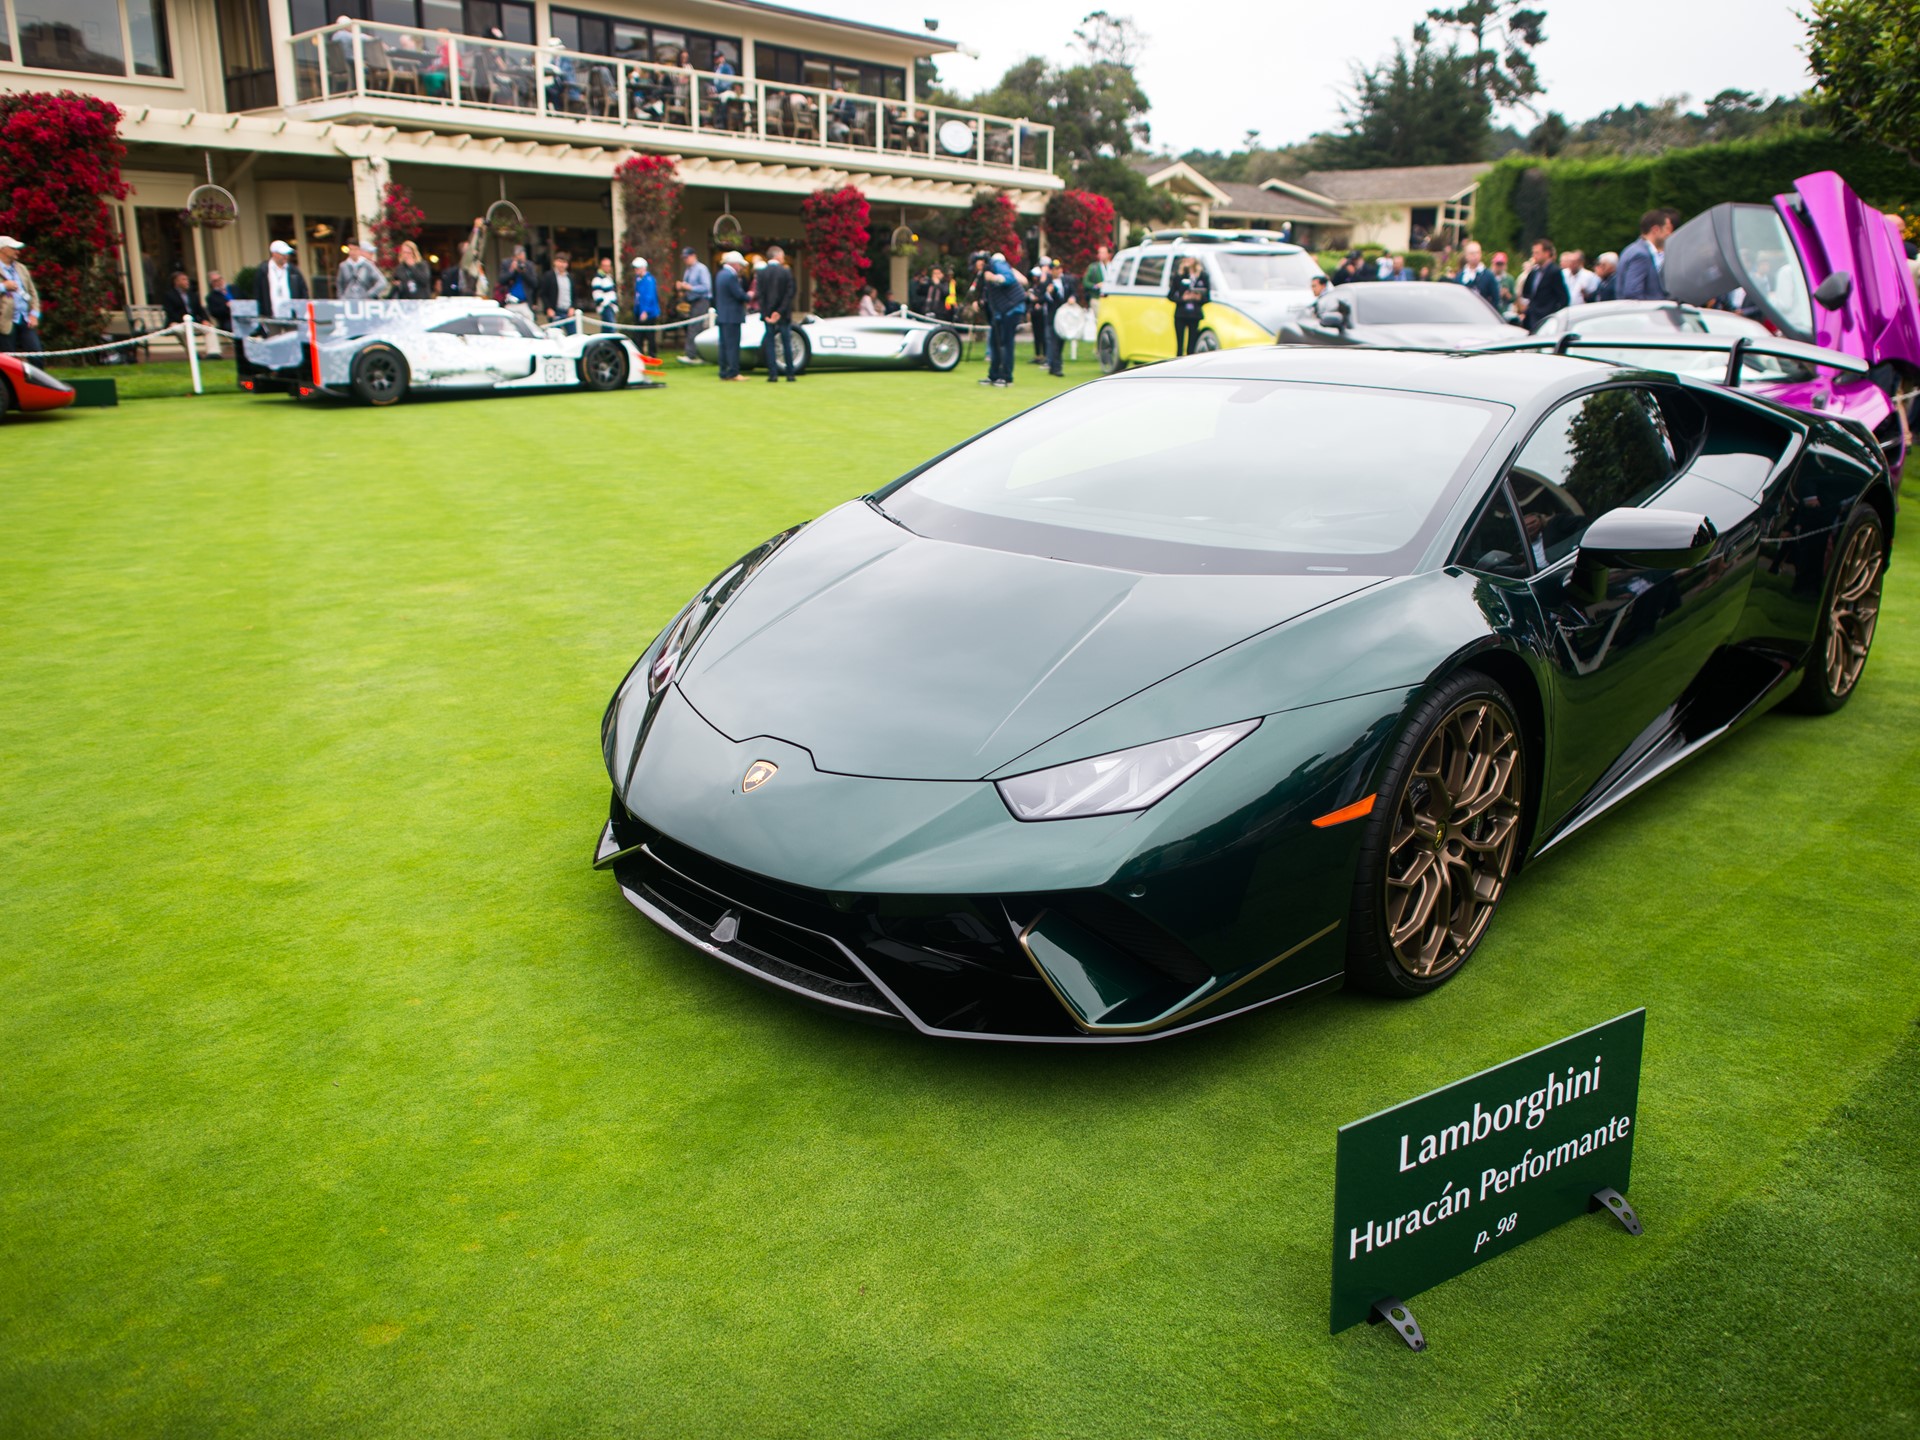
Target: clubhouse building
[{"x": 304, "y": 109}]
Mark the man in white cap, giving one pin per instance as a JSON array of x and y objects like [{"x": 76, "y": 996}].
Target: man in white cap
[
  {"x": 730, "y": 311},
  {"x": 646, "y": 306},
  {"x": 19, "y": 302},
  {"x": 281, "y": 277}
]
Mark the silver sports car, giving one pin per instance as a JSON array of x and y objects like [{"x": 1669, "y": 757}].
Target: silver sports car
[
  {"x": 849, "y": 342},
  {"x": 379, "y": 351}
]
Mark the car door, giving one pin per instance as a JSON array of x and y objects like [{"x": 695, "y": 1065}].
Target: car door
[
  {"x": 1625, "y": 641},
  {"x": 1150, "y": 331}
]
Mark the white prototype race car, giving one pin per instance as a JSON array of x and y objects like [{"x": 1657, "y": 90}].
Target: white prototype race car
[
  {"x": 848, "y": 342},
  {"x": 380, "y": 351}
]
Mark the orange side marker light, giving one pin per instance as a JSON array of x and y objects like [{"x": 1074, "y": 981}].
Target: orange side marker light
[{"x": 1346, "y": 813}]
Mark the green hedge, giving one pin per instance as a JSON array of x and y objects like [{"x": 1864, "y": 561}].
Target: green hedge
[{"x": 1595, "y": 204}]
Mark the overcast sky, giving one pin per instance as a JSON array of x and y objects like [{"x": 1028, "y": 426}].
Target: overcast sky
[{"x": 1216, "y": 68}]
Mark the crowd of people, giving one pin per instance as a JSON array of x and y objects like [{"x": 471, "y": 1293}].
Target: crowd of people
[{"x": 1547, "y": 282}]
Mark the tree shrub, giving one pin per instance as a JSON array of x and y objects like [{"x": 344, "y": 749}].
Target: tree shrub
[
  {"x": 59, "y": 166},
  {"x": 1595, "y": 203},
  {"x": 650, "y": 194},
  {"x": 1077, "y": 223},
  {"x": 836, "y": 224}
]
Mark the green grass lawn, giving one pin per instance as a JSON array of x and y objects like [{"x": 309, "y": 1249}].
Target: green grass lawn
[
  {"x": 340, "y": 1096},
  {"x": 153, "y": 380}
]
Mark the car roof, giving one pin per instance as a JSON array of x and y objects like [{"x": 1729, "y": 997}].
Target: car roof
[
  {"x": 1203, "y": 241},
  {"x": 1516, "y": 378}
]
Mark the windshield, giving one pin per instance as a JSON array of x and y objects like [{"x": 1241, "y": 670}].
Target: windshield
[
  {"x": 1240, "y": 270},
  {"x": 1767, "y": 255},
  {"x": 1416, "y": 304},
  {"x": 1194, "y": 476}
]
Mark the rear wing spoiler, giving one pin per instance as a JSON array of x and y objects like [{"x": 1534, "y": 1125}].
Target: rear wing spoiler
[{"x": 1735, "y": 347}]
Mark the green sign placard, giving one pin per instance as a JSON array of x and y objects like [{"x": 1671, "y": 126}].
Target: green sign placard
[{"x": 1464, "y": 1173}]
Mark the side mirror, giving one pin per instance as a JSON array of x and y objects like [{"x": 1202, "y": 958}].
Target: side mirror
[
  {"x": 1648, "y": 539},
  {"x": 1834, "y": 290},
  {"x": 1334, "y": 317}
]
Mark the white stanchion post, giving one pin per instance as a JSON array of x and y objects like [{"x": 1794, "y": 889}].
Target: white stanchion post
[{"x": 193, "y": 355}]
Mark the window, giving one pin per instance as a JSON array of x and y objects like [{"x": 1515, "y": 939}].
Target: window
[
  {"x": 828, "y": 72},
  {"x": 246, "y": 57},
  {"x": 636, "y": 40},
  {"x": 1251, "y": 270},
  {"x": 1152, "y": 271},
  {"x": 95, "y": 36},
  {"x": 479, "y": 18},
  {"x": 1127, "y": 267},
  {"x": 1496, "y": 544},
  {"x": 1592, "y": 455}
]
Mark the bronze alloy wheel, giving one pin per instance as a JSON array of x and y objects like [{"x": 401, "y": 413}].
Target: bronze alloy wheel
[
  {"x": 1855, "y": 608},
  {"x": 1455, "y": 827}
]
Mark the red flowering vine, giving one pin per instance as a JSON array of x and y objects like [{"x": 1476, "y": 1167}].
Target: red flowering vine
[
  {"x": 59, "y": 166},
  {"x": 990, "y": 223},
  {"x": 837, "y": 238},
  {"x": 1077, "y": 222},
  {"x": 399, "y": 220},
  {"x": 650, "y": 194}
]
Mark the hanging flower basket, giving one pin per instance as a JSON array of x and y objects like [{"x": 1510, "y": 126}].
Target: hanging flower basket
[
  {"x": 211, "y": 208},
  {"x": 728, "y": 233},
  {"x": 505, "y": 220}
]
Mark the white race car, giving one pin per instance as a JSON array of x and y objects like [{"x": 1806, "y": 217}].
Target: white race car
[
  {"x": 849, "y": 342},
  {"x": 379, "y": 351}
]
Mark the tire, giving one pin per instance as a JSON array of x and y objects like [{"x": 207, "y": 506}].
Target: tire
[
  {"x": 802, "y": 354},
  {"x": 6, "y": 399},
  {"x": 943, "y": 350},
  {"x": 1434, "y": 861},
  {"x": 1106, "y": 349},
  {"x": 1207, "y": 343},
  {"x": 380, "y": 376},
  {"x": 1848, "y": 616},
  {"x": 603, "y": 366}
]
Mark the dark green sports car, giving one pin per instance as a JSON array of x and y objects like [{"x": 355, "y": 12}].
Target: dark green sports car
[{"x": 1203, "y": 685}]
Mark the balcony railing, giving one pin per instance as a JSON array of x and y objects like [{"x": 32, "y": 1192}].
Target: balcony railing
[{"x": 472, "y": 79}]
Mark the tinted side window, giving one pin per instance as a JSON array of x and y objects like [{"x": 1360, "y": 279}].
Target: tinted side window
[
  {"x": 1126, "y": 272},
  {"x": 1153, "y": 270},
  {"x": 1592, "y": 455},
  {"x": 1496, "y": 544},
  {"x": 462, "y": 326}
]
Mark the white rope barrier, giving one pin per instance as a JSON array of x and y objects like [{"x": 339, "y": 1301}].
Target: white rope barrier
[{"x": 145, "y": 339}]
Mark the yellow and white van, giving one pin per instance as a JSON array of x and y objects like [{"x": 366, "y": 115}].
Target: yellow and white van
[{"x": 1256, "y": 282}]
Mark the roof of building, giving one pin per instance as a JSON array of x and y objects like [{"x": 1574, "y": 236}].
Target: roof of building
[
  {"x": 1243, "y": 199},
  {"x": 1416, "y": 183}
]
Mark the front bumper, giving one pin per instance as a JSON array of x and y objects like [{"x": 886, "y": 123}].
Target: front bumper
[{"x": 1020, "y": 968}]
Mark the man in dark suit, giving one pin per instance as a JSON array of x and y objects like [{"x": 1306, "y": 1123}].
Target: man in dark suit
[
  {"x": 1476, "y": 277},
  {"x": 1639, "y": 275},
  {"x": 556, "y": 296},
  {"x": 774, "y": 289},
  {"x": 1545, "y": 290},
  {"x": 178, "y": 301},
  {"x": 730, "y": 312}
]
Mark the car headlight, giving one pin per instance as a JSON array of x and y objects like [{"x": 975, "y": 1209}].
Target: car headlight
[
  {"x": 37, "y": 376},
  {"x": 1122, "y": 781}
]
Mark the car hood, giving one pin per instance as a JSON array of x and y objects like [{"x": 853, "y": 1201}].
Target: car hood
[
  {"x": 883, "y": 653},
  {"x": 1270, "y": 309}
]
